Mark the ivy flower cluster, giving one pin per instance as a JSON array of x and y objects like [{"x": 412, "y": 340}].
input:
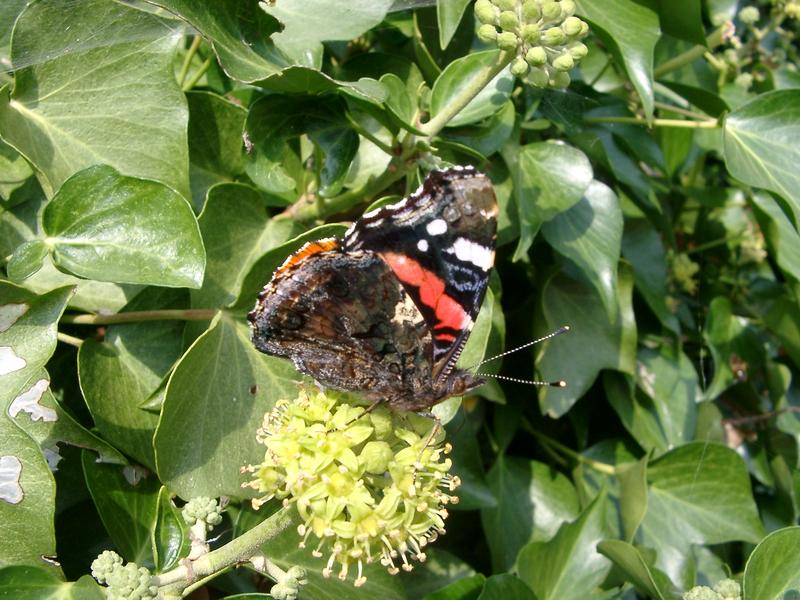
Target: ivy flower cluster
[
  {"x": 125, "y": 581},
  {"x": 545, "y": 34},
  {"x": 727, "y": 589},
  {"x": 368, "y": 485}
]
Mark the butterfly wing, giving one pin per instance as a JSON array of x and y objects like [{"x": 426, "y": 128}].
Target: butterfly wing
[
  {"x": 440, "y": 244},
  {"x": 343, "y": 319}
]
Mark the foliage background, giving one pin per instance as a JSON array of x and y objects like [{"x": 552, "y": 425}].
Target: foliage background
[{"x": 653, "y": 206}]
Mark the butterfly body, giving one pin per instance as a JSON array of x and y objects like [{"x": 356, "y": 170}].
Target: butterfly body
[{"x": 386, "y": 311}]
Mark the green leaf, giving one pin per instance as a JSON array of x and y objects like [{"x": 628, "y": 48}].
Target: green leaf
[
  {"x": 668, "y": 378},
  {"x": 548, "y": 179},
  {"x": 106, "y": 226},
  {"x": 760, "y": 146},
  {"x": 30, "y": 583},
  {"x": 682, "y": 19},
  {"x": 237, "y": 230},
  {"x": 449, "y": 14},
  {"x": 99, "y": 94},
  {"x": 239, "y": 31},
  {"x": 568, "y": 566},
  {"x": 505, "y": 587},
  {"x": 630, "y": 29},
  {"x": 773, "y": 569},
  {"x": 699, "y": 494},
  {"x": 648, "y": 581},
  {"x": 487, "y": 137},
  {"x": 126, "y": 499},
  {"x": 215, "y": 401},
  {"x": 14, "y": 169},
  {"x": 533, "y": 501},
  {"x": 275, "y": 119},
  {"x": 215, "y": 141},
  {"x": 118, "y": 374},
  {"x": 781, "y": 234},
  {"x": 458, "y": 75},
  {"x": 26, "y": 260},
  {"x": 170, "y": 536},
  {"x": 593, "y": 343},
  {"x": 467, "y": 588},
  {"x": 474, "y": 492},
  {"x": 440, "y": 569},
  {"x": 308, "y": 23},
  {"x": 632, "y": 495},
  {"x": 590, "y": 234}
]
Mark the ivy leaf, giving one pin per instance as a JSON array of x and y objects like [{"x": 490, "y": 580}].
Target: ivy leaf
[
  {"x": 760, "y": 144},
  {"x": 590, "y": 234},
  {"x": 108, "y": 227},
  {"x": 126, "y": 499},
  {"x": 630, "y": 29},
  {"x": 215, "y": 401},
  {"x": 506, "y": 587},
  {"x": 648, "y": 580},
  {"x": 458, "y": 75},
  {"x": 449, "y": 14},
  {"x": 781, "y": 234},
  {"x": 682, "y": 19},
  {"x": 568, "y": 566},
  {"x": 100, "y": 94},
  {"x": 31, "y": 583},
  {"x": 773, "y": 569}
]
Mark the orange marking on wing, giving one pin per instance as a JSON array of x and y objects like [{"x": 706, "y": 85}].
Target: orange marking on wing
[
  {"x": 449, "y": 313},
  {"x": 445, "y": 337},
  {"x": 310, "y": 249}
]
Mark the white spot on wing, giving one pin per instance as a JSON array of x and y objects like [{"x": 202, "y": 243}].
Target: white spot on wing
[
  {"x": 9, "y": 361},
  {"x": 28, "y": 402},
  {"x": 10, "y": 470},
  {"x": 10, "y": 313},
  {"x": 436, "y": 227},
  {"x": 422, "y": 245},
  {"x": 472, "y": 252}
]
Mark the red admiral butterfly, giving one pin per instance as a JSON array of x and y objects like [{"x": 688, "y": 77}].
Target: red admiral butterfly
[{"x": 386, "y": 311}]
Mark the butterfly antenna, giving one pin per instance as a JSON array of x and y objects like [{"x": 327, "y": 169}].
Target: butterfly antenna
[
  {"x": 559, "y": 384},
  {"x": 555, "y": 333}
]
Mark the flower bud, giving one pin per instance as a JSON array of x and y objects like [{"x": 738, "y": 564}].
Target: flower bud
[
  {"x": 508, "y": 20},
  {"x": 701, "y": 592},
  {"x": 486, "y": 12},
  {"x": 376, "y": 456},
  {"x": 536, "y": 56},
  {"x": 507, "y": 40},
  {"x": 103, "y": 565},
  {"x": 531, "y": 32},
  {"x": 487, "y": 33},
  {"x": 744, "y": 81},
  {"x": 749, "y": 15},
  {"x": 578, "y": 50},
  {"x": 519, "y": 67},
  {"x": 505, "y": 4},
  {"x": 551, "y": 11},
  {"x": 728, "y": 589},
  {"x": 564, "y": 62},
  {"x": 560, "y": 80},
  {"x": 554, "y": 36},
  {"x": 567, "y": 8},
  {"x": 572, "y": 26},
  {"x": 531, "y": 11},
  {"x": 538, "y": 78}
]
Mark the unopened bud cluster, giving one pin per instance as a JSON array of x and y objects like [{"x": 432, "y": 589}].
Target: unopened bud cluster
[
  {"x": 125, "y": 582},
  {"x": 202, "y": 509},
  {"x": 727, "y": 589},
  {"x": 545, "y": 34},
  {"x": 368, "y": 486}
]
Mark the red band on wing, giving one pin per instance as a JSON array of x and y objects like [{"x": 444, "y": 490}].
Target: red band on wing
[
  {"x": 309, "y": 249},
  {"x": 449, "y": 313}
]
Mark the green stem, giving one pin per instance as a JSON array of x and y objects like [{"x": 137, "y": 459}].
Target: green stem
[
  {"x": 713, "y": 40},
  {"x": 68, "y": 339},
  {"x": 466, "y": 94},
  {"x": 681, "y": 111},
  {"x": 366, "y": 134},
  {"x": 576, "y": 456},
  {"x": 715, "y": 243},
  {"x": 191, "y": 314},
  {"x": 187, "y": 60},
  {"x": 198, "y": 74},
  {"x": 237, "y": 551},
  {"x": 707, "y": 124}
]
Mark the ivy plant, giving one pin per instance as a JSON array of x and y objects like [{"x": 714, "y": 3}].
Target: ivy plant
[{"x": 160, "y": 159}]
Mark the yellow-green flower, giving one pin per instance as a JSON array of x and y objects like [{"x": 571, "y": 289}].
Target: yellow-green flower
[{"x": 368, "y": 486}]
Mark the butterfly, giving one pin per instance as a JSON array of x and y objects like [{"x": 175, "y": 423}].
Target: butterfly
[{"x": 386, "y": 310}]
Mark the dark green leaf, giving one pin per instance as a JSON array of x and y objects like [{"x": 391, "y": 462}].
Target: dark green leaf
[
  {"x": 647, "y": 580},
  {"x": 781, "y": 234},
  {"x": 773, "y": 569},
  {"x": 682, "y": 19},
  {"x": 458, "y": 75},
  {"x": 533, "y": 501},
  {"x": 632, "y": 495},
  {"x": 760, "y": 146},
  {"x": 468, "y": 588},
  {"x": 590, "y": 234},
  {"x": 505, "y": 587},
  {"x": 105, "y": 226},
  {"x": 26, "y": 260},
  {"x": 30, "y": 583},
  {"x": 449, "y": 13},
  {"x": 170, "y": 536},
  {"x": 101, "y": 90},
  {"x": 126, "y": 499},
  {"x": 630, "y": 29},
  {"x": 568, "y": 566}
]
